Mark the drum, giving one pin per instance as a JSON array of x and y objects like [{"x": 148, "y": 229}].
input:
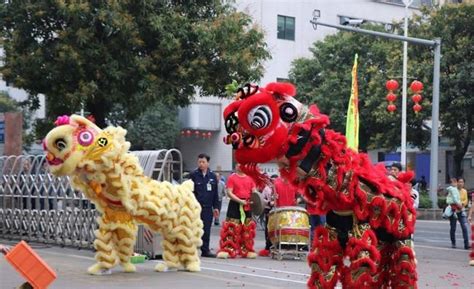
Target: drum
[{"x": 288, "y": 225}]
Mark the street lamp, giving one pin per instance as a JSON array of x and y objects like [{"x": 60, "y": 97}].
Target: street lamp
[
  {"x": 436, "y": 45},
  {"x": 403, "y": 155}
]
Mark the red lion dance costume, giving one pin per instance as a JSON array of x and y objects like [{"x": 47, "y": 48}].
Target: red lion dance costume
[{"x": 370, "y": 218}]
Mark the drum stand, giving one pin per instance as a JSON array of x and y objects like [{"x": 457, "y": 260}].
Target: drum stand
[{"x": 295, "y": 250}]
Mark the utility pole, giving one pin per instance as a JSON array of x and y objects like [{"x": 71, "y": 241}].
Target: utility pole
[
  {"x": 403, "y": 154},
  {"x": 436, "y": 45}
]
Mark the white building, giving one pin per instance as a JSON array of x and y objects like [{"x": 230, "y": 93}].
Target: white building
[{"x": 289, "y": 35}]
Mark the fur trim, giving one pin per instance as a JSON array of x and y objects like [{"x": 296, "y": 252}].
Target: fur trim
[
  {"x": 281, "y": 88},
  {"x": 230, "y": 238},
  {"x": 247, "y": 238},
  {"x": 340, "y": 180},
  {"x": 102, "y": 168}
]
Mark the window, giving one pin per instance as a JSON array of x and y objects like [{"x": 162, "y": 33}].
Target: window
[
  {"x": 281, "y": 79},
  {"x": 286, "y": 27}
]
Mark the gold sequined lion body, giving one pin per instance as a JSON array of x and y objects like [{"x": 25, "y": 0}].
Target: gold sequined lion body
[{"x": 101, "y": 167}]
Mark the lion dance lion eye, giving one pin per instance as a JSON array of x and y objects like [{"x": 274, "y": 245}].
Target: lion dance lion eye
[
  {"x": 260, "y": 117},
  {"x": 85, "y": 138},
  {"x": 60, "y": 144}
]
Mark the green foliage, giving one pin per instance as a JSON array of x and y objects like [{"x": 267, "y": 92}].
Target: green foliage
[
  {"x": 325, "y": 79},
  {"x": 132, "y": 53},
  {"x": 232, "y": 88},
  {"x": 7, "y": 103},
  {"x": 156, "y": 128},
  {"x": 425, "y": 201},
  {"x": 454, "y": 25},
  {"x": 42, "y": 127},
  {"x": 442, "y": 202}
]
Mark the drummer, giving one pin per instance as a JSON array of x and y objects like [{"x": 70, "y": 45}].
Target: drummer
[
  {"x": 269, "y": 200},
  {"x": 285, "y": 193},
  {"x": 238, "y": 230}
]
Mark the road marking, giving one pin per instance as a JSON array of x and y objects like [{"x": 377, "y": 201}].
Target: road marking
[
  {"x": 69, "y": 255},
  {"x": 433, "y": 222},
  {"x": 254, "y": 275},
  {"x": 439, "y": 248},
  {"x": 446, "y": 233},
  {"x": 256, "y": 268},
  {"x": 206, "y": 268}
]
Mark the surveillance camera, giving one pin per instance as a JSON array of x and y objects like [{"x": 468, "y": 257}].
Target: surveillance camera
[
  {"x": 353, "y": 22},
  {"x": 356, "y": 21}
]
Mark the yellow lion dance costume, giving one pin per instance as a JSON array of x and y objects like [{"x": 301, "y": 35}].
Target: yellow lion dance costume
[{"x": 102, "y": 168}]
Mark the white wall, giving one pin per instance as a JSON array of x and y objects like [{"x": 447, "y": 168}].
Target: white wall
[
  {"x": 284, "y": 52},
  {"x": 220, "y": 153}
]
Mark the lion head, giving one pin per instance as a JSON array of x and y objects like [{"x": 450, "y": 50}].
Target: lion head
[
  {"x": 74, "y": 139},
  {"x": 258, "y": 121}
]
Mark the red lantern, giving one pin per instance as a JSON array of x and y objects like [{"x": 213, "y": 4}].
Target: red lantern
[
  {"x": 209, "y": 134},
  {"x": 391, "y": 85},
  {"x": 416, "y": 98},
  {"x": 183, "y": 133},
  {"x": 204, "y": 135},
  {"x": 417, "y": 108},
  {"x": 416, "y": 86},
  {"x": 391, "y": 97},
  {"x": 391, "y": 107},
  {"x": 197, "y": 133},
  {"x": 188, "y": 133}
]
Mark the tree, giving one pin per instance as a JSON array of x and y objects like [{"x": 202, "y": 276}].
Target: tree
[
  {"x": 7, "y": 103},
  {"x": 454, "y": 25},
  {"x": 156, "y": 128},
  {"x": 132, "y": 53},
  {"x": 325, "y": 79}
]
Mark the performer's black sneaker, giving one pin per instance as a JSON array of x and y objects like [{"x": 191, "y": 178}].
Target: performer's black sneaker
[{"x": 208, "y": 255}]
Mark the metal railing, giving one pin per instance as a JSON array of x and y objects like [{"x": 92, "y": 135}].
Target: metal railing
[{"x": 37, "y": 206}]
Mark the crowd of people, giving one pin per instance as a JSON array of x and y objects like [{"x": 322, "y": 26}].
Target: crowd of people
[
  {"x": 457, "y": 209},
  {"x": 211, "y": 188}
]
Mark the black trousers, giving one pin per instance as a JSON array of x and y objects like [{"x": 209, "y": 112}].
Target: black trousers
[
  {"x": 206, "y": 217},
  {"x": 268, "y": 243},
  {"x": 219, "y": 206}
]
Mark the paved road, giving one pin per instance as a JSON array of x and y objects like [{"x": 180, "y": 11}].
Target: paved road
[{"x": 439, "y": 266}]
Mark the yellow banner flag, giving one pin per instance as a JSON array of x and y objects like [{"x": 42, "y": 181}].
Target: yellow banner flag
[{"x": 352, "y": 121}]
